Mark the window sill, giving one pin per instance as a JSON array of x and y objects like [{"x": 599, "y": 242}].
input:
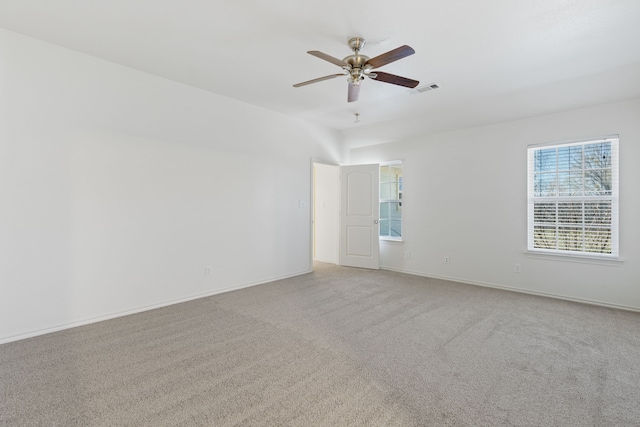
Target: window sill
[
  {"x": 390, "y": 241},
  {"x": 584, "y": 259}
]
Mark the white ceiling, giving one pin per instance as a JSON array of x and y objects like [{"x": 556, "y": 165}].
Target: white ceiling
[{"x": 494, "y": 60}]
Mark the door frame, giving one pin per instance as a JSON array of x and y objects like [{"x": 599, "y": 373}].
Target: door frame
[{"x": 312, "y": 207}]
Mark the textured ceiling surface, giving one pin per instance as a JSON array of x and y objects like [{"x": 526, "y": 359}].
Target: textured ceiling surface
[{"x": 494, "y": 61}]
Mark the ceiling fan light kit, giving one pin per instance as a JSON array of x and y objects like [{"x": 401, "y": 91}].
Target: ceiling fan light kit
[{"x": 356, "y": 67}]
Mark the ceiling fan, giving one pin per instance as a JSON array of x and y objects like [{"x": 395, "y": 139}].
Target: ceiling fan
[{"x": 358, "y": 66}]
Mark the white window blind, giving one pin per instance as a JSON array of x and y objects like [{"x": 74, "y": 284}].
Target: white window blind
[{"x": 573, "y": 198}]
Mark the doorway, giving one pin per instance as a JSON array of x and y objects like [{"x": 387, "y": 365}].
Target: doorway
[
  {"x": 326, "y": 209},
  {"x": 345, "y": 214}
]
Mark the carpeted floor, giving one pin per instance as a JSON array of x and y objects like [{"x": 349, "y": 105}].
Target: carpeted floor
[{"x": 337, "y": 347}]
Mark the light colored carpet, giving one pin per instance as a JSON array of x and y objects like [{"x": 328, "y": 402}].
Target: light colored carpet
[{"x": 336, "y": 347}]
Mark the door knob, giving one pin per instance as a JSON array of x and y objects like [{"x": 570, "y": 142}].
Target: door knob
[{"x": 375, "y": 221}]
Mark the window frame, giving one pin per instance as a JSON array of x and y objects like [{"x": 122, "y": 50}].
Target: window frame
[
  {"x": 399, "y": 200},
  {"x": 565, "y": 199}
]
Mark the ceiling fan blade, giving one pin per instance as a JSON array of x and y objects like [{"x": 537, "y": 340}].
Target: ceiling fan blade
[
  {"x": 354, "y": 92},
  {"x": 319, "y": 79},
  {"x": 318, "y": 54},
  {"x": 396, "y": 80},
  {"x": 391, "y": 56}
]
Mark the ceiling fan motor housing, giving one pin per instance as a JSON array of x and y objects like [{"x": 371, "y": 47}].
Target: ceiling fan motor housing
[{"x": 356, "y": 61}]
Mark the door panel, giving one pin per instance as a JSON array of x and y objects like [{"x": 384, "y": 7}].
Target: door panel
[
  {"x": 359, "y": 241},
  {"x": 359, "y": 190}
]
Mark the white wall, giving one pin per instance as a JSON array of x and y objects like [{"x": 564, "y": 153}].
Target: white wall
[
  {"x": 118, "y": 188},
  {"x": 464, "y": 196},
  {"x": 326, "y": 208}
]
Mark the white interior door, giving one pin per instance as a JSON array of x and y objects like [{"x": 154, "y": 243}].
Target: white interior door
[{"x": 359, "y": 201}]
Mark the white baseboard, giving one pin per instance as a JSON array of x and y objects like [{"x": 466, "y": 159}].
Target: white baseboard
[
  {"x": 515, "y": 289},
  {"x": 328, "y": 261},
  {"x": 83, "y": 322}
]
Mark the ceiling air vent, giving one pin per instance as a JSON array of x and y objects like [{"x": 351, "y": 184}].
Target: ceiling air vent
[{"x": 426, "y": 88}]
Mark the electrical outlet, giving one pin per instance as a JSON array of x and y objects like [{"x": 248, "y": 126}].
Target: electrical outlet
[
  {"x": 517, "y": 268},
  {"x": 447, "y": 259},
  {"x": 208, "y": 270},
  {"x": 407, "y": 255}
]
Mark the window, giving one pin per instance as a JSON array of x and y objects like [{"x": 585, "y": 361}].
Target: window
[
  {"x": 391, "y": 200},
  {"x": 573, "y": 198}
]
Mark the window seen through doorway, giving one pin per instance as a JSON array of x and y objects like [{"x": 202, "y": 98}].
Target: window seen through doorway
[{"x": 391, "y": 201}]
